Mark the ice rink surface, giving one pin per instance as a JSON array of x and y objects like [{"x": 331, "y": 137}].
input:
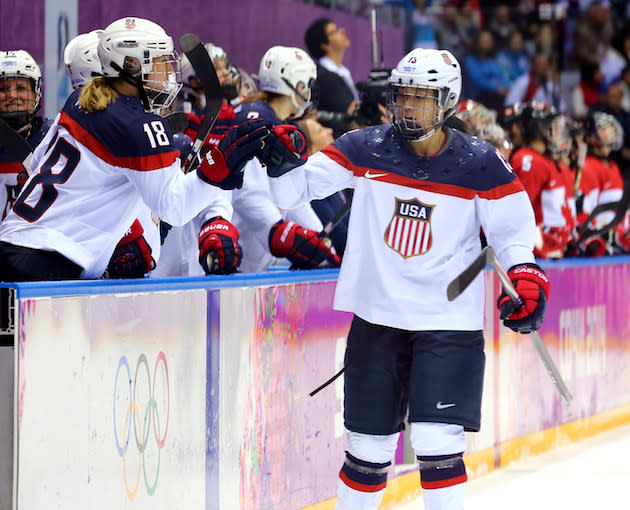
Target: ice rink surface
[{"x": 593, "y": 474}]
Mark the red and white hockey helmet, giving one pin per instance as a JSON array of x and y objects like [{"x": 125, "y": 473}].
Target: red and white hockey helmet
[
  {"x": 289, "y": 72},
  {"x": 140, "y": 50},
  {"x": 81, "y": 58},
  {"x": 20, "y": 64},
  {"x": 424, "y": 73}
]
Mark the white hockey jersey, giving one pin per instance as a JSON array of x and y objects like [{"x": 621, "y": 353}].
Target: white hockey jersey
[
  {"x": 91, "y": 173},
  {"x": 415, "y": 223}
]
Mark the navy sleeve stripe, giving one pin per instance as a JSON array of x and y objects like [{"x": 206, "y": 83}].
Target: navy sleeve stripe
[
  {"x": 374, "y": 174},
  {"x": 154, "y": 161}
]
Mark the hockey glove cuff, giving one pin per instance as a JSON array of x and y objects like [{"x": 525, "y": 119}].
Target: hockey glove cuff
[
  {"x": 303, "y": 247},
  {"x": 532, "y": 285},
  {"x": 219, "y": 251}
]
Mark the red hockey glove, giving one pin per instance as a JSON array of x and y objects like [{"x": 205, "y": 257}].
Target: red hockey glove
[
  {"x": 132, "y": 255},
  {"x": 286, "y": 148},
  {"x": 300, "y": 245},
  {"x": 223, "y": 164},
  {"x": 219, "y": 251},
  {"x": 532, "y": 285}
]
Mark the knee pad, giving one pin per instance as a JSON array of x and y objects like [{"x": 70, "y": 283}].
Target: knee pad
[
  {"x": 371, "y": 448},
  {"x": 441, "y": 471},
  {"x": 437, "y": 438}
]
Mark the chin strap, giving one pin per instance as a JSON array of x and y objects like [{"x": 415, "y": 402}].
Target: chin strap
[{"x": 136, "y": 82}]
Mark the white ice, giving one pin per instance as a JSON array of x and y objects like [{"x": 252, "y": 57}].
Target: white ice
[{"x": 592, "y": 474}]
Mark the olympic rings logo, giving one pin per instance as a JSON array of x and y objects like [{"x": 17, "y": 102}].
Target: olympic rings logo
[{"x": 143, "y": 419}]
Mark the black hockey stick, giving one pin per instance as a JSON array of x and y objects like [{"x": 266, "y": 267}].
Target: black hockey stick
[
  {"x": 466, "y": 277},
  {"x": 620, "y": 207},
  {"x": 177, "y": 121},
  {"x": 16, "y": 144},
  {"x": 337, "y": 218},
  {"x": 204, "y": 69},
  {"x": 489, "y": 257}
]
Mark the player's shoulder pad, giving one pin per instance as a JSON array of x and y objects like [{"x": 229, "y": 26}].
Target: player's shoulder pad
[
  {"x": 256, "y": 110},
  {"x": 371, "y": 138},
  {"x": 493, "y": 167}
]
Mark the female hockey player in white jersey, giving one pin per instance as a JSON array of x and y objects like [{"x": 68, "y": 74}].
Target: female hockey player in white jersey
[
  {"x": 422, "y": 191},
  {"x": 104, "y": 155}
]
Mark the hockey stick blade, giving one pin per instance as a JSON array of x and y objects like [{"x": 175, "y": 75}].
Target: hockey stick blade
[
  {"x": 204, "y": 69},
  {"x": 461, "y": 282},
  {"x": 543, "y": 353},
  {"x": 177, "y": 121},
  {"x": 13, "y": 141}
]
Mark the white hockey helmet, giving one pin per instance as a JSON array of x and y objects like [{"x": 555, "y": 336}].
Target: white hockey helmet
[
  {"x": 283, "y": 69},
  {"x": 430, "y": 71},
  {"x": 215, "y": 52},
  {"x": 128, "y": 48},
  {"x": 20, "y": 64},
  {"x": 81, "y": 58}
]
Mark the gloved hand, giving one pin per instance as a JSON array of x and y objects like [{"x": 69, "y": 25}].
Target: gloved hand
[
  {"x": 303, "y": 248},
  {"x": 532, "y": 285},
  {"x": 132, "y": 255},
  {"x": 219, "y": 251},
  {"x": 286, "y": 148},
  {"x": 222, "y": 166}
]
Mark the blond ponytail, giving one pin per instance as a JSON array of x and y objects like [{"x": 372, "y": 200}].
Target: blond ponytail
[{"x": 96, "y": 95}]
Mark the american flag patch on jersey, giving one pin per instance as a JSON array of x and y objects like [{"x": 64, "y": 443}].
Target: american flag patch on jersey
[{"x": 409, "y": 231}]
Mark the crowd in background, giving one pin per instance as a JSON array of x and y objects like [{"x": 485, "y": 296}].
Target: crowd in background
[{"x": 547, "y": 83}]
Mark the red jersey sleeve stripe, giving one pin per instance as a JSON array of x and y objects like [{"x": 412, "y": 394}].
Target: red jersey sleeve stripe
[
  {"x": 339, "y": 157},
  {"x": 140, "y": 163},
  {"x": 444, "y": 483},
  {"x": 361, "y": 487},
  {"x": 14, "y": 167}
]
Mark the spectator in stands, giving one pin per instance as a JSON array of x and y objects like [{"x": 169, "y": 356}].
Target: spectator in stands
[
  {"x": 501, "y": 26},
  {"x": 469, "y": 21},
  {"x": 537, "y": 85},
  {"x": 514, "y": 59},
  {"x": 485, "y": 82},
  {"x": 448, "y": 32},
  {"x": 586, "y": 94},
  {"x": 592, "y": 35},
  {"x": 422, "y": 21},
  {"x": 338, "y": 96}
]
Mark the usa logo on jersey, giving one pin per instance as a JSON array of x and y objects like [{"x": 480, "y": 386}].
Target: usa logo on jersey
[{"x": 409, "y": 231}]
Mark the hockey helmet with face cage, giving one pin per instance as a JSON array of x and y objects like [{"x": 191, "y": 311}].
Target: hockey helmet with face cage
[
  {"x": 20, "y": 64},
  {"x": 604, "y": 131},
  {"x": 141, "y": 52},
  {"x": 289, "y": 72},
  {"x": 424, "y": 70},
  {"x": 81, "y": 58}
]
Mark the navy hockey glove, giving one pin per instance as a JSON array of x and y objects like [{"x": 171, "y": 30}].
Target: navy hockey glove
[
  {"x": 301, "y": 246},
  {"x": 532, "y": 285},
  {"x": 132, "y": 256},
  {"x": 223, "y": 165},
  {"x": 219, "y": 251},
  {"x": 286, "y": 148}
]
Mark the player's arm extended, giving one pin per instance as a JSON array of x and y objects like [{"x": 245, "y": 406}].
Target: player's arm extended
[
  {"x": 319, "y": 177},
  {"x": 507, "y": 217}
]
